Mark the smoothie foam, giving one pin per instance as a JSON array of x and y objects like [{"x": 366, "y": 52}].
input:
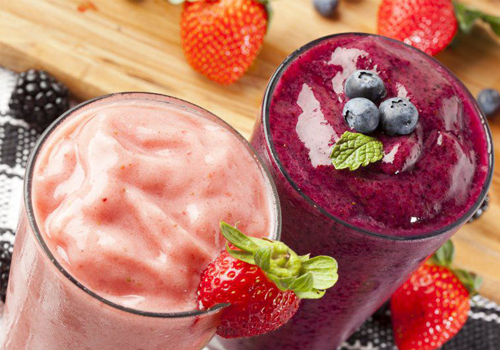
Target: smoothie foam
[{"x": 128, "y": 197}]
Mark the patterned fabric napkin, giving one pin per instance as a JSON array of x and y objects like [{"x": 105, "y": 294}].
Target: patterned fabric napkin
[{"x": 482, "y": 331}]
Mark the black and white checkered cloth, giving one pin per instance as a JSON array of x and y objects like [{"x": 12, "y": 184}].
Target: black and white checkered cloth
[{"x": 482, "y": 331}]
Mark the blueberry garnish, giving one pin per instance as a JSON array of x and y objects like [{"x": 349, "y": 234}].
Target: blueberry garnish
[
  {"x": 362, "y": 115},
  {"x": 365, "y": 83},
  {"x": 489, "y": 101},
  {"x": 326, "y": 8},
  {"x": 398, "y": 116}
]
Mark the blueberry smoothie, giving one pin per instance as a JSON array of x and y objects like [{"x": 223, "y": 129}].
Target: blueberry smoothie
[{"x": 382, "y": 220}]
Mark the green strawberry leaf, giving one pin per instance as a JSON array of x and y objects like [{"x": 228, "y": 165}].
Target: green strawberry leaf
[
  {"x": 282, "y": 283},
  {"x": 241, "y": 255},
  {"x": 470, "y": 280},
  {"x": 494, "y": 23},
  {"x": 304, "y": 258},
  {"x": 261, "y": 242},
  {"x": 467, "y": 17},
  {"x": 444, "y": 256},
  {"x": 303, "y": 283},
  {"x": 313, "y": 294},
  {"x": 324, "y": 271},
  {"x": 353, "y": 150},
  {"x": 306, "y": 277},
  {"x": 263, "y": 258},
  {"x": 236, "y": 237}
]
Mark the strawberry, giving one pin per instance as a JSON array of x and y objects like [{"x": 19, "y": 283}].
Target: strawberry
[
  {"x": 433, "y": 305},
  {"x": 262, "y": 282},
  {"x": 221, "y": 38},
  {"x": 428, "y": 25}
]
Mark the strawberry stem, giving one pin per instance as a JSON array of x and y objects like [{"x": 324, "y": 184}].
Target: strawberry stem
[
  {"x": 307, "y": 277},
  {"x": 444, "y": 257},
  {"x": 467, "y": 17}
]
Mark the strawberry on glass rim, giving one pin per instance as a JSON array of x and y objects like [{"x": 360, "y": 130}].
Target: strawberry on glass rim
[
  {"x": 433, "y": 305},
  {"x": 262, "y": 281},
  {"x": 222, "y": 38}
]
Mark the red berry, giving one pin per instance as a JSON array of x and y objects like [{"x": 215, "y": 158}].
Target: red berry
[
  {"x": 429, "y": 309},
  {"x": 257, "y": 305},
  {"x": 221, "y": 38},
  {"x": 429, "y": 25}
]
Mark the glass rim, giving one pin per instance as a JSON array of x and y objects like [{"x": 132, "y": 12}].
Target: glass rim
[
  {"x": 265, "y": 111},
  {"x": 155, "y": 97}
]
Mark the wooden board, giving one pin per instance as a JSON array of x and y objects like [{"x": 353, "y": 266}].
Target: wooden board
[{"x": 128, "y": 45}]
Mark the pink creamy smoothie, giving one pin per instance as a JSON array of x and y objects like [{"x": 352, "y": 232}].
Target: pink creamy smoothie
[{"x": 128, "y": 197}]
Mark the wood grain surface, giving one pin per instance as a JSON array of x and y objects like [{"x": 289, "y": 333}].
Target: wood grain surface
[{"x": 124, "y": 45}]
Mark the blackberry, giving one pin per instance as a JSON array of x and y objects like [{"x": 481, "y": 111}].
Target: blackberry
[
  {"x": 6, "y": 249},
  {"x": 38, "y": 98},
  {"x": 482, "y": 209}
]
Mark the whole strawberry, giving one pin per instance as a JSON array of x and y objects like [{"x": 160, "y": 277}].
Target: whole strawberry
[
  {"x": 428, "y": 25},
  {"x": 262, "y": 282},
  {"x": 433, "y": 305},
  {"x": 221, "y": 38}
]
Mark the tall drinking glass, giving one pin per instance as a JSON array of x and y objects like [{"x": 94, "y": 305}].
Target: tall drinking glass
[
  {"x": 48, "y": 308},
  {"x": 380, "y": 222}
]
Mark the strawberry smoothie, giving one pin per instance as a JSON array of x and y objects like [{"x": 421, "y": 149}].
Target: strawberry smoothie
[
  {"x": 124, "y": 197},
  {"x": 380, "y": 221}
]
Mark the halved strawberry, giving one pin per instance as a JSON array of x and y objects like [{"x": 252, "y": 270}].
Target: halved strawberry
[
  {"x": 433, "y": 305},
  {"x": 263, "y": 281}
]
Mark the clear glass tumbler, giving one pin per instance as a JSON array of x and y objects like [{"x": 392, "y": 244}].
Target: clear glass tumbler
[
  {"x": 371, "y": 265},
  {"x": 48, "y": 309}
]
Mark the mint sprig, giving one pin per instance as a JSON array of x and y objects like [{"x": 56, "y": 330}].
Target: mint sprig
[
  {"x": 467, "y": 17},
  {"x": 307, "y": 277},
  {"x": 353, "y": 150}
]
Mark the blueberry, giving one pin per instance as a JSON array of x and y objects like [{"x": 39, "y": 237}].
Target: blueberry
[
  {"x": 326, "y": 8},
  {"x": 365, "y": 83},
  {"x": 362, "y": 115},
  {"x": 489, "y": 101},
  {"x": 398, "y": 116}
]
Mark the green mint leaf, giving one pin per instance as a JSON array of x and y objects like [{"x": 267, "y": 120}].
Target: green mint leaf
[
  {"x": 353, "y": 150},
  {"x": 444, "y": 256},
  {"x": 323, "y": 270},
  {"x": 236, "y": 237},
  {"x": 313, "y": 294}
]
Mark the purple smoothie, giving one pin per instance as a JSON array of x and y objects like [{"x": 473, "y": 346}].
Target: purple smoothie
[{"x": 380, "y": 222}]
